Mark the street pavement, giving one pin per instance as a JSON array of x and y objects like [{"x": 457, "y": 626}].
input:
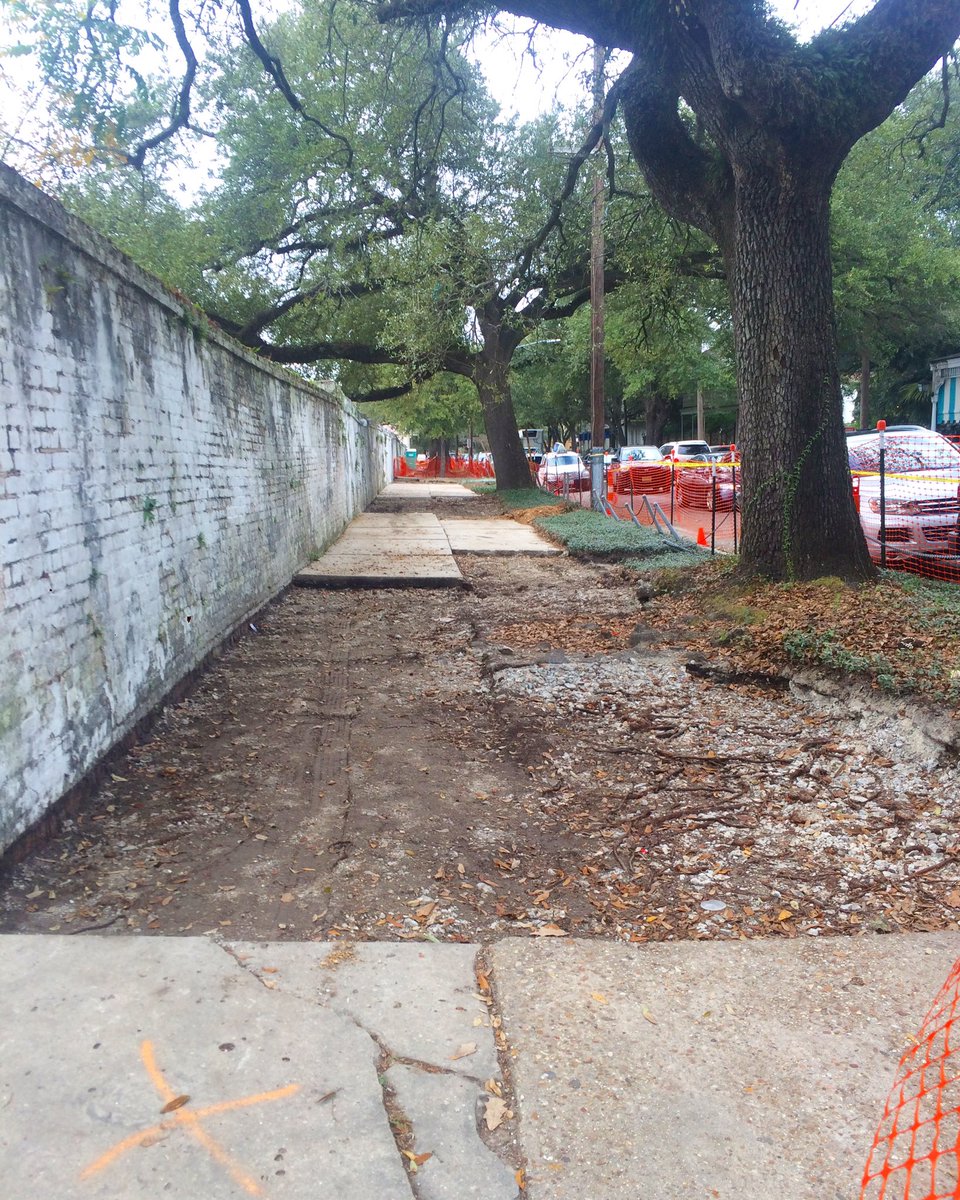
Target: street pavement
[{"x": 186, "y": 1067}]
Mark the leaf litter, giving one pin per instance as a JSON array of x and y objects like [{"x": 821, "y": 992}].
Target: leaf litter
[{"x": 582, "y": 779}]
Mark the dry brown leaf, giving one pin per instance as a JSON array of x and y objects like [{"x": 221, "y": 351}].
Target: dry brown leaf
[
  {"x": 464, "y": 1051},
  {"x": 495, "y": 1113},
  {"x": 599, "y": 997},
  {"x": 550, "y": 930},
  {"x": 175, "y": 1103},
  {"x": 648, "y": 1016}
]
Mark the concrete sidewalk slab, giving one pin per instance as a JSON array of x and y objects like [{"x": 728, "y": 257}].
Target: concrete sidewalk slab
[
  {"x": 371, "y": 570},
  {"x": 426, "y": 489},
  {"x": 386, "y": 550},
  {"x": 731, "y": 1071},
  {"x": 500, "y": 536},
  {"x": 134, "y": 1068}
]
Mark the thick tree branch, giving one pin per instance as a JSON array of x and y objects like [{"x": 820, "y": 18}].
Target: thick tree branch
[
  {"x": 384, "y": 393},
  {"x": 180, "y": 117},
  {"x": 887, "y": 50},
  {"x": 274, "y": 69},
  {"x": 691, "y": 184}
]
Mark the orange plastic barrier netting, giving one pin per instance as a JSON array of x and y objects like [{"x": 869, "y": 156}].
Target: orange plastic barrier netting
[
  {"x": 916, "y": 1150},
  {"x": 463, "y": 468}
]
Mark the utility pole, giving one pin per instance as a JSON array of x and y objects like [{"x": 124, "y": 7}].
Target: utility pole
[{"x": 598, "y": 483}]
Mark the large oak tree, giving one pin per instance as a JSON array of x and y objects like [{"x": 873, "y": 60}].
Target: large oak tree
[{"x": 740, "y": 130}]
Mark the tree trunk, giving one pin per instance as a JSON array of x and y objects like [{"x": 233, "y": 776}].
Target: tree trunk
[
  {"x": 799, "y": 521},
  {"x": 864, "y": 389},
  {"x": 491, "y": 375},
  {"x": 656, "y": 411}
]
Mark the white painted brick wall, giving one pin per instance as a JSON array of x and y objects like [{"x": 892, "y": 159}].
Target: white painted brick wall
[{"x": 156, "y": 487}]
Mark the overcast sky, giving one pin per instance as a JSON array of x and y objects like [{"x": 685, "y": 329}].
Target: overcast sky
[{"x": 528, "y": 87}]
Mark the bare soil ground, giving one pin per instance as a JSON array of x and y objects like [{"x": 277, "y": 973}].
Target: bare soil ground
[{"x": 537, "y": 754}]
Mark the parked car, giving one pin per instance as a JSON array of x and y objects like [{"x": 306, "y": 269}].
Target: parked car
[
  {"x": 563, "y": 471},
  {"x": 632, "y": 454},
  {"x": 921, "y": 505},
  {"x": 686, "y": 450},
  {"x": 639, "y": 471}
]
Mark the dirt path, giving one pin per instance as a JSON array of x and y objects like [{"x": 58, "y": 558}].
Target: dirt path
[{"x": 464, "y": 765}]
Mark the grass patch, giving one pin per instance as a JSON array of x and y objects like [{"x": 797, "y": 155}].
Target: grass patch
[
  {"x": 593, "y": 535},
  {"x": 513, "y": 499}
]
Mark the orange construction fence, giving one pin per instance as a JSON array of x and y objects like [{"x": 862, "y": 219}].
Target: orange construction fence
[
  {"x": 456, "y": 468},
  {"x": 916, "y": 1150}
]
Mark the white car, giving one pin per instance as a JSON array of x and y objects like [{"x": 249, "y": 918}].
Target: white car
[
  {"x": 563, "y": 471},
  {"x": 687, "y": 450},
  {"x": 920, "y": 506}
]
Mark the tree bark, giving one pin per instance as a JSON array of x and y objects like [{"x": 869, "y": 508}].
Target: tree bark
[
  {"x": 799, "y": 517},
  {"x": 491, "y": 375},
  {"x": 656, "y": 411},
  {"x": 864, "y": 389}
]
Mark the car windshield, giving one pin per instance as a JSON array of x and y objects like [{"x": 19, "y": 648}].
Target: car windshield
[
  {"x": 904, "y": 454},
  {"x": 639, "y": 453},
  {"x": 693, "y": 448},
  {"x": 565, "y": 460}
]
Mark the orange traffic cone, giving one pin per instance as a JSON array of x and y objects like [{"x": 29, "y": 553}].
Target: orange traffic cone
[{"x": 701, "y": 537}]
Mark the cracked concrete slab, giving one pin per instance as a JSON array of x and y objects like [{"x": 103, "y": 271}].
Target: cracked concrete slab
[
  {"x": 737, "y": 1071},
  {"x": 444, "y": 1112},
  {"x": 142, "y": 1067},
  {"x": 419, "y": 1001}
]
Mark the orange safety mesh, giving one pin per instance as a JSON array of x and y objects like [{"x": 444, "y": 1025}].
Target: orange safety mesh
[
  {"x": 916, "y": 1149},
  {"x": 456, "y": 468},
  {"x": 700, "y": 500},
  {"x": 913, "y": 525}
]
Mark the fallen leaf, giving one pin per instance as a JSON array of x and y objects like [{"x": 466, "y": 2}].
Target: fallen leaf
[
  {"x": 417, "y": 1160},
  {"x": 493, "y": 1087},
  {"x": 550, "y": 930},
  {"x": 495, "y": 1113},
  {"x": 784, "y": 915},
  {"x": 464, "y": 1050},
  {"x": 175, "y": 1103},
  {"x": 286, "y": 898},
  {"x": 35, "y": 893},
  {"x": 260, "y": 837},
  {"x": 648, "y": 1016},
  {"x": 599, "y": 997},
  {"x": 520, "y": 1179}
]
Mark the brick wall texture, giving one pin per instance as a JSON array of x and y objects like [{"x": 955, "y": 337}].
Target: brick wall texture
[{"x": 157, "y": 486}]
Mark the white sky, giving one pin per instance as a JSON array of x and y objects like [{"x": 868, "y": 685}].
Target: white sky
[{"x": 527, "y": 88}]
